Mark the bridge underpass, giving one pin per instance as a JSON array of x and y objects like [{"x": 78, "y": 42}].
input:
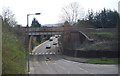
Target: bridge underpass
[
  {"x": 71, "y": 39},
  {"x": 77, "y": 39},
  {"x": 40, "y": 35}
]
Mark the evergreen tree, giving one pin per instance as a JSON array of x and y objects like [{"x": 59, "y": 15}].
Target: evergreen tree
[
  {"x": 35, "y": 23},
  {"x": 104, "y": 18}
]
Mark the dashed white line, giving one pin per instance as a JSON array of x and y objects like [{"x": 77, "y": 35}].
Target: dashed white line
[
  {"x": 47, "y": 53},
  {"x": 35, "y": 53},
  {"x": 42, "y": 53},
  {"x": 50, "y": 52}
]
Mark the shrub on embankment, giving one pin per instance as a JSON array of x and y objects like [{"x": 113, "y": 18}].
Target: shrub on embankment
[
  {"x": 103, "y": 40},
  {"x": 13, "y": 52},
  {"x": 104, "y": 45}
]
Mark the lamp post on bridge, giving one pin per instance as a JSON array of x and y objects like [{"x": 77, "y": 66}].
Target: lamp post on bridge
[{"x": 27, "y": 38}]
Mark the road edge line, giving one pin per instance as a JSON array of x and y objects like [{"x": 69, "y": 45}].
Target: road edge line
[{"x": 39, "y": 46}]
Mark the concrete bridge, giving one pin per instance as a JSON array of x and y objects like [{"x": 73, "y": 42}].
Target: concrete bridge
[
  {"x": 32, "y": 33},
  {"x": 43, "y": 30},
  {"x": 66, "y": 30}
]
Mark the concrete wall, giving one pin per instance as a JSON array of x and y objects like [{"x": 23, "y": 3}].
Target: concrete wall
[
  {"x": 92, "y": 54},
  {"x": 73, "y": 39}
]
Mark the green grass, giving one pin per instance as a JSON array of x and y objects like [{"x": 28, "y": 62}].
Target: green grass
[
  {"x": 102, "y": 41},
  {"x": 13, "y": 53},
  {"x": 103, "y": 34},
  {"x": 104, "y": 61},
  {"x": 94, "y": 61}
]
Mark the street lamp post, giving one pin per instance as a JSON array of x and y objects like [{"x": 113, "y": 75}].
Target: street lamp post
[
  {"x": 28, "y": 17},
  {"x": 27, "y": 39}
]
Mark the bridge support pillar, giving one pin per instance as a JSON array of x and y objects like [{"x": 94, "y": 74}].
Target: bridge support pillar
[{"x": 30, "y": 43}]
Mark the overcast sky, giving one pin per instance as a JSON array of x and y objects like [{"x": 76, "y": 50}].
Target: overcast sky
[{"x": 50, "y": 9}]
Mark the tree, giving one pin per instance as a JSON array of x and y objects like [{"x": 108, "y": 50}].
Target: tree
[
  {"x": 35, "y": 23},
  {"x": 9, "y": 17},
  {"x": 90, "y": 16},
  {"x": 71, "y": 13},
  {"x": 10, "y": 23},
  {"x": 104, "y": 18}
]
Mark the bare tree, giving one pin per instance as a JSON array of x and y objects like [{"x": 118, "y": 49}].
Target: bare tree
[
  {"x": 9, "y": 17},
  {"x": 72, "y": 12}
]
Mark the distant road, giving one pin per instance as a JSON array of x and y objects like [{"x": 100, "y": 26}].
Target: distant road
[{"x": 56, "y": 65}]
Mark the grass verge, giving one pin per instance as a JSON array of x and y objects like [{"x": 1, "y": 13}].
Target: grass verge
[
  {"x": 13, "y": 53},
  {"x": 103, "y": 34},
  {"x": 104, "y": 61},
  {"x": 93, "y": 60}
]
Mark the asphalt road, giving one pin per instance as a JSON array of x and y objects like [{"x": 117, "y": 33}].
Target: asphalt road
[{"x": 57, "y": 65}]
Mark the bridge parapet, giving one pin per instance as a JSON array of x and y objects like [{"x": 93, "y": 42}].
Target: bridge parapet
[{"x": 33, "y": 29}]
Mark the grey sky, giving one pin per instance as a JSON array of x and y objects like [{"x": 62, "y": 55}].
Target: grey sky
[{"x": 50, "y": 9}]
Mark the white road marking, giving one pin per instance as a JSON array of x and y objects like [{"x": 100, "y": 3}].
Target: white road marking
[
  {"x": 46, "y": 63},
  {"x": 53, "y": 52},
  {"x": 28, "y": 72},
  {"x": 35, "y": 53},
  {"x": 85, "y": 70},
  {"x": 50, "y": 52},
  {"x": 54, "y": 63},
  {"x": 47, "y": 53}
]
